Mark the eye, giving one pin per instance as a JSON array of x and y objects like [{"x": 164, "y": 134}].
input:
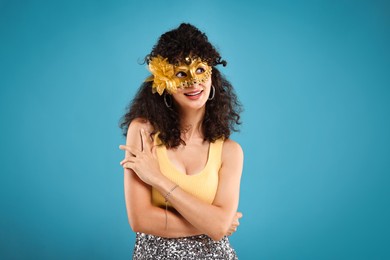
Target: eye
[
  {"x": 200, "y": 70},
  {"x": 181, "y": 74}
]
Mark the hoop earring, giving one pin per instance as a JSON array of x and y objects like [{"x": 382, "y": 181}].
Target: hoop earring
[
  {"x": 212, "y": 96},
  {"x": 165, "y": 101}
]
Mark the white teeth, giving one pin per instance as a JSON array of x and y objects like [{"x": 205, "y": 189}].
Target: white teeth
[{"x": 193, "y": 94}]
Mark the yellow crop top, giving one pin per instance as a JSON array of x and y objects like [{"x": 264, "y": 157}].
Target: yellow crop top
[{"x": 202, "y": 185}]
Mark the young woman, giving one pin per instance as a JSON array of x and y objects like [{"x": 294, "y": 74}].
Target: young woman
[{"x": 181, "y": 171}]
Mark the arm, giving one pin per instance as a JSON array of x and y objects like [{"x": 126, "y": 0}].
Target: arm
[
  {"x": 213, "y": 220},
  {"x": 142, "y": 214}
]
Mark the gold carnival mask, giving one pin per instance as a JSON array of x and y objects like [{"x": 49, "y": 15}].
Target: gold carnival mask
[{"x": 166, "y": 76}]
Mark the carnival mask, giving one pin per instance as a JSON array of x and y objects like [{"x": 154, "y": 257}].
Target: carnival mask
[{"x": 166, "y": 76}]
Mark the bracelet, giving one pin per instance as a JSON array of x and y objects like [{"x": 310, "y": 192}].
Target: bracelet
[
  {"x": 169, "y": 193},
  {"x": 166, "y": 204}
]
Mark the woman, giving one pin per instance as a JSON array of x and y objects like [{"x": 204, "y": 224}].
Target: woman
[{"x": 182, "y": 172}]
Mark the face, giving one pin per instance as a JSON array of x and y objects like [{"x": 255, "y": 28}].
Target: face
[
  {"x": 193, "y": 96},
  {"x": 191, "y": 71},
  {"x": 169, "y": 78}
]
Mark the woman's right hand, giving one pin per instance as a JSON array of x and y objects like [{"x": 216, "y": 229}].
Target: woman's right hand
[
  {"x": 235, "y": 224},
  {"x": 143, "y": 162}
]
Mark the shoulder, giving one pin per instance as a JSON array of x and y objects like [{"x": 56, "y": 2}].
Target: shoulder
[
  {"x": 139, "y": 123},
  {"x": 232, "y": 150},
  {"x": 135, "y": 126},
  {"x": 232, "y": 159}
]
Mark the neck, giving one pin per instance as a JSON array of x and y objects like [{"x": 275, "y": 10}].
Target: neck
[{"x": 191, "y": 124}]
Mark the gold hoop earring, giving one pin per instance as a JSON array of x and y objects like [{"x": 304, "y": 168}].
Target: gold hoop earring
[
  {"x": 165, "y": 100},
  {"x": 212, "y": 96}
]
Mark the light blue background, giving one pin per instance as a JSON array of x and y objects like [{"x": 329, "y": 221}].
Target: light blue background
[{"x": 314, "y": 80}]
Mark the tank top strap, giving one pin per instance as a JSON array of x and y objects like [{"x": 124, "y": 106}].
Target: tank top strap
[
  {"x": 216, "y": 152},
  {"x": 156, "y": 140}
]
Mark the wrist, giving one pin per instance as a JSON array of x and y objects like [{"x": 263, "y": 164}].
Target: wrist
[
  {"x": 156, "y": 179},
  {"x": 164, "y": 185},
  {"x": 168, "y": 194}
]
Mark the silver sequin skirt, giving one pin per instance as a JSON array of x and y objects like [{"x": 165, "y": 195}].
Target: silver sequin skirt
[{"x": 199, "y": 247}]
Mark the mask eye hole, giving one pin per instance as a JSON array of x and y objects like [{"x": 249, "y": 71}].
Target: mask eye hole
[
  {"x": 181, "y": 74},
  {"x": 200, "y": 70}
]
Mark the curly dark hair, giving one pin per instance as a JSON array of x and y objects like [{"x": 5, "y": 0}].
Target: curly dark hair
[{"x": 222, "y": 113}]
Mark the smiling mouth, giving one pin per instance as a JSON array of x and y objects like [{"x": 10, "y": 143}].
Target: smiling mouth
[{"x": 195, "y": 93}]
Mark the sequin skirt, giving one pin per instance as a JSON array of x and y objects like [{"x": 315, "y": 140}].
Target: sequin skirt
[{"x": 199, "y": 247}]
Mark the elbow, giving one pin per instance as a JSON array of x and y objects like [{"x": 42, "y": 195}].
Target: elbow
[
  {"x": 219, "y": 232},
  {"x": 135, "y": 224},
  {"x": 217, "y": 235}
]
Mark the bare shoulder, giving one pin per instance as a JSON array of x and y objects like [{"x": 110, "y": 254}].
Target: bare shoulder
[
  {"x": 133, "y": 132},
  {"x": 232, "y": 151},
  {"x": 140, "y": 123}
]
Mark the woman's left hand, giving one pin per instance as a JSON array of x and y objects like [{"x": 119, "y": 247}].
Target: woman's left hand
[
  {"x": 235, "y": 223},
  {"x": 144, "y": 163}
]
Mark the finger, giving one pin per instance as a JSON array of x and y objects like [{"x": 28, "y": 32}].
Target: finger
[
  {"x": 123, "y": 162},
  {"x": 143, "y": 140},
  {"x": 125, "y": 148},
  {"x": 127, "y": 160},
  {"x": 132, "y": 150},
  {"x": 233, "y": 229},
  {"x": 146, "y": 142},
  {"x": 128, "y": 165}
]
